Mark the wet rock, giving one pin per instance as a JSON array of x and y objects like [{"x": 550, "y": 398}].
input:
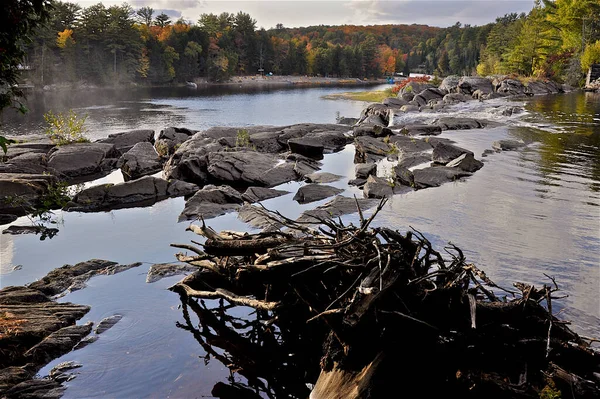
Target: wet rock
[
  {"x": 377, "y": 113},
  {"x": 395, "y": 102},
  {"x": 303, "y": 165},
  {"x": 19, "y": 192},
  {"x": 69, "y": 278},
  {"x": 85, "y": 342},
  {"x": 126, "y": 140},
  {"x": 511, "y": 87},
  {"x": 450, "y": 84},
  {"x": 58, "y": 343},
  {"x": 454, "y": 98},
  {"x": 347, "y": 121},
  {"x": 107, "y": 323},
  {"x": 371, "y": 130},
  {"x": 377, "y": 187},
  {"x": 421, "y": 130},
  {"x": 257, "y": 217},
  {"x": 507, "y": 145},
  {"x": 245, "y": 168},
  {"x": 144, "y": 191},
  {"x": 415, "y": 87},
  {"x": 404, "y": 176},
  {"x": 409, "y": 108},
  {"x": 170, "y": 139},
  {"x": 257, "y": 194},
  {"x": 370, "y": 149},
  {"x": 436, "y": 176},
  {"x": 336, "y": 207},
  {"x": 466, "y": 162},
  {"x": 444, "y": 153},
  {"x": 411, "y": 159},
  {"x": 538, "y": 87},
  {"x": 404, "y": 144},
  {"x": 408, "y": 96},
  {"x": 470, "y": 84},
  {"x": 315, "y": 192},
  {"x": 6, "y": 218},
  {"x": 190, "y": 161},
  {"x": 83, "y": 160},
  {"x": 450, "y": 123},
  {"x": 140, "y": 160},
  {"x": 322, "y": 177},
  {"x": 358, "y": 182},
  {"x": 210, "y": 202},
  {"x": 59, "y": 372},
  {"x": 36, "y": 389},
  {"x": 36, "y": 229},
  {"x": 162, "y": 270},
  {"x": 364, "y": 170}
]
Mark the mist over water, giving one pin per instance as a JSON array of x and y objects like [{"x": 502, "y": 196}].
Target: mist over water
[{"x": 524, "y": 214}]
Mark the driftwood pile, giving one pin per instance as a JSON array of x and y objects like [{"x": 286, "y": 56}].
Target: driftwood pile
[{"x": 330, "y": 310}]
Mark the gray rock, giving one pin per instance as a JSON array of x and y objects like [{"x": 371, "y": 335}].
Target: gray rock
[
  {"x": 315, "y": 192},
  {"x": 190, "y": 161},
  {"x": 364, "y": 170},
  {"x": 36, "y": 389},
  {"x": 20, "y": 191},
  {"x": 159, "y": 271},
  {"x": 322, "y": 177},
  {"x": 492, "y": 96},
  {"x": 371, "y": 130},
  {"x": 85, "y": 342},
  {"x": 210, "y": 202},
  {"x": 43, "y": 230},
  {"x": 409, "y": 108},
  {"x": 538, "y": 87},
  {"x": 436, "y": 176},
  {"x": 377, "y": 187},
  {"x": 303, "y": 165},
  {"x": 450, "y": 84},
  {"x": 415, "y": 87},
  {"x": 470, "y": 84},
  {"x": 404, "y": 176},
  {"x": 358, "y": 182},
  {"x": 59, "y": 372},
  {"x": 140, "y": 161},
  {"x": 245, "y": 168},
  {"x": 466, "y": 162},
  {"x": 107, "y": 323},
  {"x": 421, "y": 130},
  {"x": 511, "y": 87},
  {"x": 451, "y": 123},
  {"x": 331, "y": 141},
  {"x": 395, "y": 102},
  {"x": 404, "y": 144},
  {"x": 444, "y": 153},
  {"x": 370, "y": 149},
  {"x": 126, "y": 140},
  {"x": 411, "y": 159},
  {"x": 83, "y": 160},
  {"x": 336, "y": 207},
  {"x": 6, "y": 218},
  {"x": 257, "y": 194},
  {"x": 377, "y": 113},
  {"x": 507, "y": 145},
  {"x": 170, "y": 139},
  {"x": 141, "y": 192},
  {"x": 430, "y": 94},
  {"x": 454, "y": 98},
  {"x": 258, "y": 217},
  {"x": 347, "y": 121},
  {"x": 58, "y": 343},
  {"x": 408, "y": 96}
]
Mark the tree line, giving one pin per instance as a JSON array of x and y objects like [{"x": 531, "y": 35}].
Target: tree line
[{"x": 120, "y": 45}]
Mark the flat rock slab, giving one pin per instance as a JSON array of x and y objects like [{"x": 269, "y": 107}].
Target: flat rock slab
[
  {"x": 322, "y": 177},
  {"x": 83, "y": 159},
  {"x": 377, "y": 187},
  {"x": 403, "y": 144},
  {"x": 466, "y": 162},
  {"x": 372, "y": 130},
  {"x": 450, "y": 123},
  {"x": 436, "y": 176},
  {"x": 413, "y": 159},
  {"x": 364, "y": 170},
  {"x": 140, "y": 160},
  {"x": 211, "y": 201},
  {"x": 249, "y": 168},
  {"x": 307, "y": 146},
  {"x": 162, "y": 270},
  {"x": 19, "y": 191},
  {"x": 58, "y": 343},
  {"x": 258, "y": 217},
  {"x": 315, "y": 192},
  {"x": 69, "y": 278},
  {"x": 336, "y": 207},
  {"x": 257, "y": 194},
  {"x": 126, "y": 140},
  {"x": 421, "y": 130},
  {"x": 107, "y": 323},
  {"x": 141, "y": 192},
  {"x": 444, "y": 153},
  {"x": 370, "y": 149}
]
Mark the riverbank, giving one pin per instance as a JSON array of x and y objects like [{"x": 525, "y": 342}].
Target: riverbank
[{"x": 375, "y": 96}]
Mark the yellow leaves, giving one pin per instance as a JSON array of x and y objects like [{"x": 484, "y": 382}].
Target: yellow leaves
[
  {"x": 590, "y": 56},
  {"x": 65, "y": 38},
  {"x": 144, "y": 63}
]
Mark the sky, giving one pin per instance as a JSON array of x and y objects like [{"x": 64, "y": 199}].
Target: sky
[{"x": 296, "y": 13}]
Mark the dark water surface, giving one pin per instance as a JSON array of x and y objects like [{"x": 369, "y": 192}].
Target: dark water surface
[{"x": 524, "y": 214}]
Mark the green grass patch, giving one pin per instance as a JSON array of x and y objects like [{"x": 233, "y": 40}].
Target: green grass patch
[{"x": 367, "y": 96}]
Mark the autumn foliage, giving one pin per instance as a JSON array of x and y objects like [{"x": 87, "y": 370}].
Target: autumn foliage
[{"x": 400, "y": 85}]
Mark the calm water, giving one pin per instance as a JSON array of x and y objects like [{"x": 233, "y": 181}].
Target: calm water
[{"x": 524, "y": 214}]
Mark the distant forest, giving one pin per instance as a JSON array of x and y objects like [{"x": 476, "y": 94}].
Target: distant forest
[{"x": 120, "y": 45}]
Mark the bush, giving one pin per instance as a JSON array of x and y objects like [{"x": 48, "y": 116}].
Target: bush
[
  {"x": 400, "y": 85},
  {"x": 591, "y": 55},
  {"x": 65, "y": 128},
  {"x": 242, "y": 139}
]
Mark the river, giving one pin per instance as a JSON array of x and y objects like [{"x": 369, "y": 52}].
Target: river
[{"x": 524, "y": 214}]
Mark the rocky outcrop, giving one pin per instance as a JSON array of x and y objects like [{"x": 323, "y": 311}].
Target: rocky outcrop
[
  {"x": 246, "y": 168},
  {"x": 315, "y": 192},
  {"x": 470, "y": 84},
  {"x": 125, "y": 141},
  {"x": 540, "y": 87},
  {"x": 511, "y": 87},
  {"x": 436, "y": 176},
  {"x": 140, "y": 160},
  {"x": 444, "y": 153},
  {"x": 466, "y": 162},
  {"x": 336, "y": 207},
  {"x": 19, "y": 192},
  {"x": 377, "y": 187},
  {"x": 210, "y": 202},
  {"x": 83, "y": 161},
  {"x": 170, "y": 139},
  {"x": 141, "y": 192},
  {"x": 450, "y": 84},
  {"x": 257, "y": 194}
]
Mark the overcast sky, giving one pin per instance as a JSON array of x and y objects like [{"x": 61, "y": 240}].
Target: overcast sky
[{"x": 295, "y": 13}]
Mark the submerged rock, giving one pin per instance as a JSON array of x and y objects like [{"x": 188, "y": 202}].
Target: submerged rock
[
  {"x": 315, "y": 192},
  {"x": 450, "y": 123},
  {"x": 507, "y": 145},
  {"x": 257, "y": 194},
  {"x": 159, "y": 271},
  {"x": 107, "y": 323},
  {"x": 210, "y": 202},
  {"x": 436, "y": 176}
]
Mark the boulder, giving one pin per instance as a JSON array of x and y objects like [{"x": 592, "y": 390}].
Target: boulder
[
  {"x": 377, "y": 187},
  {"x": 381, "y": 111},
  {"x": 303, "y": 165},
  {"x": 407, "y": 96},
  {"x": 170, "y": 139},
  {"x": 404, "y": 176},
  {"x": 107, "y": 323},
  {"x": 436, "y": 176},
  {"x": 307, "y": 146},
  {"x": 511, "y": 87},
  {"x": 469, "y": 84},
  {"x": 126, "y": 140},
  {"x": 83, "y": 160},
  {"x": 428, "y": 95},
  {"x": 451, "y": 123},
  {"x": 395, "y": 102},
  {"x": 210, "y": 202},
  {"x": 140, "y": 161},
  {"x": 141, "y": 192},
  {"x": 358, "y": 182},
  {"x": 331, "y": 141},
  {"x": 364, "y": 170},
  {"x": 409, "y": 160},
  {"x": 466, "y": 162},
  {"x": 322, "y": 177},
  {"x": 444, "y": 153},
  {"x": 415, "y": 87},
  {"x": 6, "y": 218},
  {"x": 371, "y": 130},
  {"x": 454, "y": 98},
  {"x": 315, "y": 192},
  {"x": 190, "y": 161},
  {"x": 257, "y": 194},
  {"x": 450, "y": 84},
  {"x": 539, "y": 87},
  {"x": 409, "y": 108},
  {"x": 507, "y": 145},
  {"x": 421, "y": 130},
  {"x": 20, "y": 192},
  {"x": 246, "y": 168}
]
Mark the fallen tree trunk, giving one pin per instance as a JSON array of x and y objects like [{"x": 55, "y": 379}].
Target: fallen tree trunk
[{"x": 360, "y": 312}]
